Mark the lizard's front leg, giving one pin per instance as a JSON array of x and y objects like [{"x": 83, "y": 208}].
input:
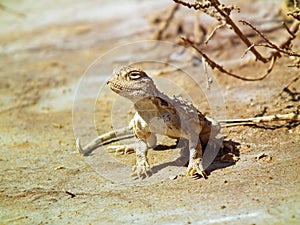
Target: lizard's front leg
[
  {"x": 142, "y": 164},
  {"x": 195, "y": 164}
]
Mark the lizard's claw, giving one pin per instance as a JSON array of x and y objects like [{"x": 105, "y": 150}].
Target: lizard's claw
[
  {"x": 195, "y": 167},
  {"x": 122, "y": 149},
  {"x": 142, "y": 167}
]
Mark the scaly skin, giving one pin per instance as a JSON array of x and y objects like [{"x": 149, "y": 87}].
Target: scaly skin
[{"x": 156, "y": 113}]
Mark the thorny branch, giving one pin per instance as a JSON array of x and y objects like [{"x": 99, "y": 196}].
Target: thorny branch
[
  {"x": 284, "y": 45},
  {"x": 213, "y": 64},
  {"x": 222, "y": 13}
]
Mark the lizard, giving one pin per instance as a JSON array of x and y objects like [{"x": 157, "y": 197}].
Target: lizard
[
  {"x": 157, "y": 113},
  {"x": 150, "y": 103}
]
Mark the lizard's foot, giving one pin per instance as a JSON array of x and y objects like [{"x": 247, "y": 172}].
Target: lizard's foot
[
  {"x": 121, "y": 149},
  {"x": 195, "y": 167},
  {"x": 142, "y": 167}
]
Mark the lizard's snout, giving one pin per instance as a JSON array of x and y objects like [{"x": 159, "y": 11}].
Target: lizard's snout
[{"x": 111, "y": 81}]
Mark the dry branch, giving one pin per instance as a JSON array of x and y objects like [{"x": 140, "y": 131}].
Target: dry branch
[
  {"x": 285, "y": 44},
  {"x": 291, "y": 117},
  {"x": 222, "y": 13},
  {"x": 295, "y": 13},
  {"x": 237, "y": 30},
  {"x": 187, "y": 42},
  {"x": 163, "y": 26},
  {"x": 214, "y": 31},
  {"x": 289, "y": 84}
]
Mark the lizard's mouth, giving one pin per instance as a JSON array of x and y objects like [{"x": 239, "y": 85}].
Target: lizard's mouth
[
  {"x": 119, "y": 88},
  {"x": 114, "y": 87}
]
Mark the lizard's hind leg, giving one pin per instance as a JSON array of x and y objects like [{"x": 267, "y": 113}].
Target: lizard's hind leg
[
  {"x": 128, "y": 149},
  {"x": 195, "y": 164},
  {"x": 122, "y": 149}
]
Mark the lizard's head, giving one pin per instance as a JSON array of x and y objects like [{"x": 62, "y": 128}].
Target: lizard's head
[{"x": 132, "y": 83}]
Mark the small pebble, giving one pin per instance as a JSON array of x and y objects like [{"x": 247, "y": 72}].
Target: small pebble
[
  {"x": 260, "y": 156},
  {"x": 57, "y": 125},
  {"x": 173, "y": 177},
  {"x": 59, "y": 168}
]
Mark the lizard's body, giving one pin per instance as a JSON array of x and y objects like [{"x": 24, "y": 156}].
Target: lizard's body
[{"x": 156, "y": 113}]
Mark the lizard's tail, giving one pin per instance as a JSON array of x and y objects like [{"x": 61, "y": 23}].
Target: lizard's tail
[{"x": 102, "y": 140}]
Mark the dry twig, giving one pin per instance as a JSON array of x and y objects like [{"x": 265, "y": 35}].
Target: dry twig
[
  {"x": 289, "y": 84},
  {"x": 296, "y": 12},
  {"x": 214, "y": 31},
  {"x": 187, "y": 42},
  {"x": 285, "y": 44},
  {"x": 163, "y": 26},
  {"x": 292, "y": 117},
  {"x": 222, "y": 13}
]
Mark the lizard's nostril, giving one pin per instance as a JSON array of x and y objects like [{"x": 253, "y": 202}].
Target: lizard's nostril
[{"x": 108, "y": 82}]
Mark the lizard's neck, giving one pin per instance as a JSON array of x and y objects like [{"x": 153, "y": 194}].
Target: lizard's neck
[
  {"x": 152, "y": 103},
  {"x": 146, "y": 104}
]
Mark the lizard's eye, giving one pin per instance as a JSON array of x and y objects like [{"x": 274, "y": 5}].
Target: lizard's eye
[{"x": 134, "y": 75}]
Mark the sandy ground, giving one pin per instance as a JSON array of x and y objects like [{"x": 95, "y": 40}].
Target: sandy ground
[{"x": 44, "y": 180}]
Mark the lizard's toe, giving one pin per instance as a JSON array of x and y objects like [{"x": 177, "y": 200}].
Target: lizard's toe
[
  {"x": 121, "y": 149},
  {"x": 195, "y": 168},
  {"x": 141, "y": 167}
]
